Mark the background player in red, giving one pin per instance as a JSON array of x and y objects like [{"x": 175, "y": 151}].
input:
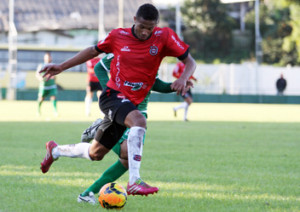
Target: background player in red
[
  {"x": 138, "y": 53},
  {"x": 188, "y": 97},
  {"x": 92, "y": 85}
]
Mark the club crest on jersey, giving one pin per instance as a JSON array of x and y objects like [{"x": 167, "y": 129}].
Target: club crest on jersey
[
  {"x": 135, "y": 85},
  {"x": 153, "y": 50}
]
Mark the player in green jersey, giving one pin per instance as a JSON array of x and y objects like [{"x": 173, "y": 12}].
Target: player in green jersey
[
  {"x": 121, "y": 165},
  {"x": 46, "y": 87}
]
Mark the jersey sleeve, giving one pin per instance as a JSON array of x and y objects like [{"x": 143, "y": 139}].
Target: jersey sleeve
[
  {"x": 101, "y": 74},
  {"x": 106, "y": 44},
  {"x": 174, "y": 46},
  {"x": 162, "y": 86},
  {"x": 105, "y": 61}
]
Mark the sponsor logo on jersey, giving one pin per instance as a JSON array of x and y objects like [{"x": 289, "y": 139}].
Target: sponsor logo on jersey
[
  {"x": 177, "y": 42},
  {"x": 135, "y": 85},
  {"x": 153, "y": 50},
  {"x": 137, "y": 157},
  {"x": 158, "y": 33},
  {"x": 125, "y": 49},
  {"x": 122, "y": 32}
]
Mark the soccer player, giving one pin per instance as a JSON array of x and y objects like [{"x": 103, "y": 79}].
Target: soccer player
[
  {"x": 188, "y": 96},
  {"x": 92, "y": 86},
  {"x": 138, "y": 52},
  {"x": 121, "y": 165},
  {"x": 46, "y": 87}
]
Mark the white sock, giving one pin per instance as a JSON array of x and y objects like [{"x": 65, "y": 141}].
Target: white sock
[
  {"x": 88, "y": 102},
  {"x": 182, "y": 105},
  {"x": 135, "y": 150},
  {"x": 186, "y": 111},
  {"x": 80, "y": 150}
]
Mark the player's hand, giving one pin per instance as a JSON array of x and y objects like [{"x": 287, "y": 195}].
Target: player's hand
[
  {"x": 50, "y": 70},
  {"x": 179, "y": 86},
  {"x": 189, "y": 84}
]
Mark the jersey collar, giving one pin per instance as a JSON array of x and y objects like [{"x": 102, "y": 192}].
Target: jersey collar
[{"x": 132, "y": 31}]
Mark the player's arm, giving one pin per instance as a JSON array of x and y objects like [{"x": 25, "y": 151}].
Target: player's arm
[
  {"x": 102, "y": 68},
  {"x": 162, "y": 86},
  {"x": 165, "y": 87},
  {"x": 37, "y": 73},
  {"x": 101, "y": 74},
  {"x": 190, "y": 66},
  {"x": 80, "y": 57}
]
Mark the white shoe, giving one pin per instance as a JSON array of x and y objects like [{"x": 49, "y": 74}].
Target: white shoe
[{"x": 89, "y": 199}]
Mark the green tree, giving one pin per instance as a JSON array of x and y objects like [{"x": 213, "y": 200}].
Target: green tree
[
  {"x": 291, "y": 43},
  {"x": 279, "y": 26},
  {"x": 209, "y": 28}
]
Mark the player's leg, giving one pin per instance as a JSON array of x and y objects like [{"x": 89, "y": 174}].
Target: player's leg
[
  {"x": 188, "y": 99},
  {"x": 123, "y": 112},
  {"x": 182, "y": 105},
  {"x": 98, "y": 89},
  {"x": 111, "y": 174},
  {"x": 136, "y": 186},
  {"x": 40, "y": 99},
  {"x": 40, "y": 102},
  {"x": 95, "y": 151},
  {"x": 53, "y": 93},
  {"x": 88, "y": 99},
  {"x": 54, "y": 151}
]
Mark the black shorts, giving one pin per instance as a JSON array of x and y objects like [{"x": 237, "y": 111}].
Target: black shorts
[
  {"x": 187, "y": 94},
  {"x": 95, "y": 86},
  {"x": 115, "y": 107}
]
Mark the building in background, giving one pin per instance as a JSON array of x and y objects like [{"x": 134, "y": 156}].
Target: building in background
[
  {"x": 67, "y": 23},
  {"x": 63, "y": 27}
]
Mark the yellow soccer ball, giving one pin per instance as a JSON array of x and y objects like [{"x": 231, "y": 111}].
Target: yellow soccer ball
[{"x": 112, "y": 196}]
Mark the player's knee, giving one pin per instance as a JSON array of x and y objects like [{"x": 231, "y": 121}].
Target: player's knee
[
  {"x": 96, "y": 156},
  {"x": 135, "y": 118},
  {"x": 140, "y": 121}
]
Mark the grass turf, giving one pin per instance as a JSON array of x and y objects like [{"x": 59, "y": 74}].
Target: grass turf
[{"x": 200, "y": 165}]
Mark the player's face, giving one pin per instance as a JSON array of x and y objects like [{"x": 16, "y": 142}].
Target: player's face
[
  {"x": 47, "y": 58},
  {"x": 143, "y": 28}
]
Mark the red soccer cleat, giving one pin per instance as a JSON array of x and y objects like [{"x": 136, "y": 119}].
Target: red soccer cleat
[
  {"x": 140, "y": 188},
  {"x": 48, "y": 160}
]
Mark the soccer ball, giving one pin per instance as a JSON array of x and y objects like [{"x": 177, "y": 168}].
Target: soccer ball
[{"x": 112, "y": 196}]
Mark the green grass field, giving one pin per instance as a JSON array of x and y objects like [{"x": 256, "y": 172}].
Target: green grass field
[{"x": 229, "y": 157}]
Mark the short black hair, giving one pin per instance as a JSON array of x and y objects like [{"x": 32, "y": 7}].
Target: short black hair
[{"x": 148, "y": 12}]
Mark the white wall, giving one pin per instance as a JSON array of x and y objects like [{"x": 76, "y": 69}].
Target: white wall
[
  {"x": 80, "y": 39},
  {"x": 244, "y": 78}
]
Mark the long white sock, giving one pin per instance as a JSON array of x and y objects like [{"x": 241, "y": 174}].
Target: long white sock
[
  {"x": 186, "y": 112},
  {"x": 182, "y": 105},
  {"x": 80, "y": 150},
  {"x": 135, "y": 150},
  {"x": 88, "y": 102}
]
